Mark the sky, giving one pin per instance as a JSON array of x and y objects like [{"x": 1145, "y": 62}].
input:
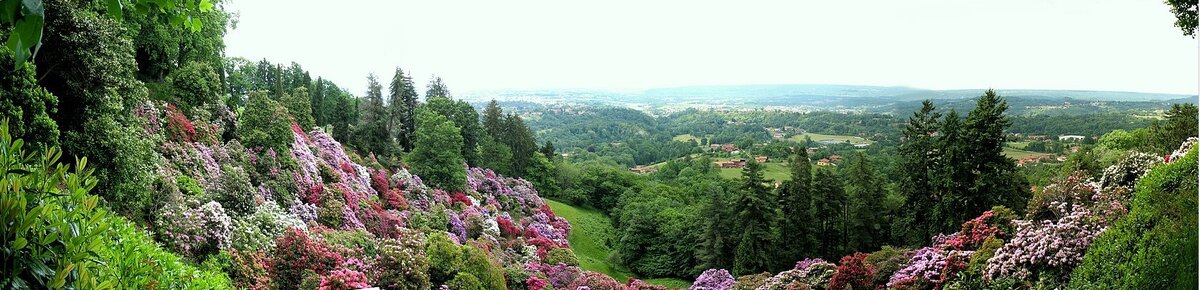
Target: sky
[{"x": 1117, "y": 45}]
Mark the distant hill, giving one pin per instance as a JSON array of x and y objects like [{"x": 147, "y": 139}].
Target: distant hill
[{"x": 817, "y": 95}]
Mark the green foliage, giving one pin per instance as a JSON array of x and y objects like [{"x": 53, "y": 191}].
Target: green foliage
[
  {"x": 1154, "y": 246},
  {"x": 465, "y": 118},
  {"x": 477, "y": 263},
  {"x": 194, "y": 85},
  {"x": 26, "y": 105},
  {"x": 50, "y": 224},
  {"x": 95, "y": 99},
  {"x": 436, "y": 156},
  {"x": 464, "y": 281},
  {"x": 445, "y": 258},
  {"x": 262, "y": 124},
  {"x": 299, "y": 104},
  {"x": 561, "y": 255},
  {"x": 796, "y": 234},
  {"x": 1185, "y": 16},
  {"x": 1180, "y": 123},
  {"x": 55, "y": 234},
  {"x": 234, "y": 191}
]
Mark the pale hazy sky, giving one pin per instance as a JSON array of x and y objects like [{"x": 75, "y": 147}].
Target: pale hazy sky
[{"x": 1125, "y": 45}]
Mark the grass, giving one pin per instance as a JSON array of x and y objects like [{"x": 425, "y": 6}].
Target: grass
[
  {"x": 839, "y": 138},
  {"x": 685, "y": 137},
  {"x": 1018, "y": 153},
  {"x": 1018, "y": 145},
  {"x": 776, "y": 171},
  {"x": 589, "y": 229}
]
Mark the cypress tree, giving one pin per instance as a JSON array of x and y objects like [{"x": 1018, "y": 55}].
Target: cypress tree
[{"x": 866, "y": 192}]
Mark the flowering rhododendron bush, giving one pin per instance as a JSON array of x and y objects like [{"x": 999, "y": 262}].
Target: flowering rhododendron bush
[{"x": 313, "y": 216}]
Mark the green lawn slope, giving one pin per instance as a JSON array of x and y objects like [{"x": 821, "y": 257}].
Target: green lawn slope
[{"x": 589, "y": 231}]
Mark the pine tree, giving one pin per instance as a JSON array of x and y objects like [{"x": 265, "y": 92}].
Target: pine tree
[
  {"x": 866, "y": 191},
  {"x": 548, "y": 150},
  {"x": 493, "y": 120},
  {"x": 435, "y": 156},
  {"x": 996, "y": 180},
  {"x": 713, "y": 250},
  {"x": 436, "y": 88},
  {"x": 796, "y": 240},
  {"x": 830, "y": 206},
  {"x": 754, "y": 212},
  {"x": 520, "y": 140},
  {"x": 953, "y": 177},
  {"x": 402, "y": 103},
  {"x": 916, "y": 157},
  {"x": 372, "y": 130}
]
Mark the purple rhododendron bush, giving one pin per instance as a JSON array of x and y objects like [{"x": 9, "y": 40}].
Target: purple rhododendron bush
[
  {"x": 314, "y": 216},
  {"x": 996, "y": 250}
]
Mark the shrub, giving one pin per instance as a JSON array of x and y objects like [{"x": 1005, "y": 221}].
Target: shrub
[
  {"x": 26, "y": 105},
  {"x": 751, "y": 282},
  {"x": 561, "y": 255},
  {"x": 486, "y": 269},
  {"x": 887, "y": 261},
  {"x": 713, "y": 279},
  {"x": 233, "y": 190},
  {"x": 193, "y": 229},
  {"x": 464, "y": 281},
  {"x": 402, "y": 263},
  {"x": 596, "y": 281},
  {"x": 445, "y": 258},
  {"x": 343, "y": 279},
  {"x": 1154, "y": 247},
  {"x": 179, "y": 128},
  {"x": 853, "y": 272},
  {"x": 259, "y": 230},
  {"x": 295, "y": 252},
  {"x": 535, "y": 283},
  {"x": 635, "y": 284},
  {"x": 1049, "y": 248}
]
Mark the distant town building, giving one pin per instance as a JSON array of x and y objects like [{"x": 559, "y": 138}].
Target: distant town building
[
  {"x": 1070, "y": 137},
  {"x": 861, "y": 145},
  {"x": 736, "y": 163},
  {"x": 760, "y": 159},
  {"x": 823, "y": 162},
  {"x": 835, "y": 158}
]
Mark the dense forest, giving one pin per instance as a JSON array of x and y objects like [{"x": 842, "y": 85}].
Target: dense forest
[{"x": 135, "y": 154}]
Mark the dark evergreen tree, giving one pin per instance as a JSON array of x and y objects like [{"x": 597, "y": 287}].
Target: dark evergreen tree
[
  {"x": 796, "y": 240},
  {"x": 548, "y": 150},
  {"x": 493, "y": 120},
  {"x": 495, "y": 156},
  {"x": 754, "y": 214},
  {"x": 402, "y": 103},
  {"x": 436, "y": 88},
  {"x": 869, "y": 227},
  {"x": 917, "y": 154},
  {"x": 713, "y": 250},
  {"x": 520, "y": 140},
  {"x": 829, "y": 203},
  {"x": 1178, "y": 124},
  {"x": 996, "y": 180},
  {"x": 371, "y": 134}
]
